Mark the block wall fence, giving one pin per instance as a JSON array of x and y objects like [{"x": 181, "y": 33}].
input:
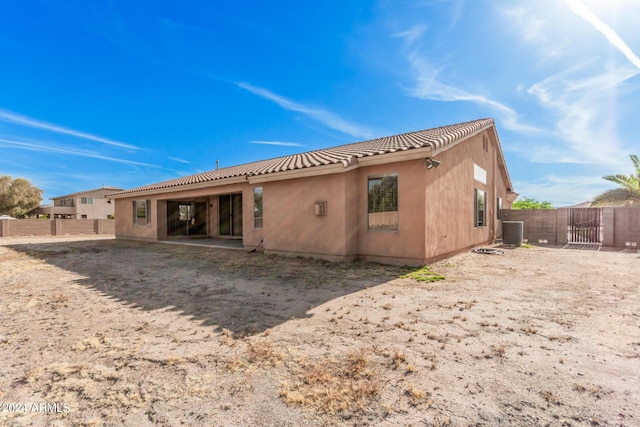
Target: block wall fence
[
  {"x": 55, "y": 227},
  {"x": 620, "y": 225}
]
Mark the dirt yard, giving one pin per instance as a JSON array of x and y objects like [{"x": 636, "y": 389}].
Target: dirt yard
[{"x": 105, "y": 332}]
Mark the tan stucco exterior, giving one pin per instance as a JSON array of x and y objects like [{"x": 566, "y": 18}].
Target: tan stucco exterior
[{"x": 435, "y": 207}]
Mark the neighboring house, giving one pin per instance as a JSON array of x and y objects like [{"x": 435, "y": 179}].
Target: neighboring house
[
  {"x": 90, "y": 204},
  {"x": 407, "y": 199}
]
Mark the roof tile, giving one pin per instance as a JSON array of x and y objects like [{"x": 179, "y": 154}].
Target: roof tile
[{"x": 345, "y": 154}]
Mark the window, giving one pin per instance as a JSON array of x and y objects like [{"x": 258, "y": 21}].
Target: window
[
  {"x": 480, "y": 208},
  {"x": 84, "y": 217},
  {"x": 499, "y": 208},
  {"x": 141, "y": 212},
  {"x": 257, "y": 207},
  {"x": 86, "y": 200},
  {"x": 485, "y": 143},
  {"x": 382, "y": 203}
]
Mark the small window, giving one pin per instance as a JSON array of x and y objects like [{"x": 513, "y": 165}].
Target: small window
[
  {"x": 257, "y": 207},
  {"x": 485, "y": 143},
  {"x": 141, "y": 212},
  {"x": 84, "y": 217},
  {"x": 499, "y": 208},
  {"x": 86, "y": 200},
  {"x": 382, "y": 203},
  {"x": 480, "y": 208}
]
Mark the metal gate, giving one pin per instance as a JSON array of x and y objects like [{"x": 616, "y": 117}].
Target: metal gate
[{"x": 585, "y": 225}]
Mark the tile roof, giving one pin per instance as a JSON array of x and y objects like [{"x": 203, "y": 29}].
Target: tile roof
[{"x": 344, "y": 154}]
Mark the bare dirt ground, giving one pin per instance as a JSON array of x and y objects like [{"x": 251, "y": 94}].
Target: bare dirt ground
[{"x": 106, "y": 332}]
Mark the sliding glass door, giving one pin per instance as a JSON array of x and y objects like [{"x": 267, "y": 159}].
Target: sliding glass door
[{"x": 230, "y": 215}]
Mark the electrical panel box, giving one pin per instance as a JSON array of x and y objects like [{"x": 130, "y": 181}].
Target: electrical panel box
[{"x": 321, "y": 208}]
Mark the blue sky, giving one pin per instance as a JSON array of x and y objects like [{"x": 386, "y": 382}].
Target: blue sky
[{"x": 128, "y": 93}]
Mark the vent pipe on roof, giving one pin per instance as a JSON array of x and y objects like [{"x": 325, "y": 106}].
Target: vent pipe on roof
[{"x": 217, "y": 164}]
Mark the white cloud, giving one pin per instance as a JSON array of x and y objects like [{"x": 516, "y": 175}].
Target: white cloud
[
  {"x": 562, "y": 191},
  {"x": 537, "y": 31},
  {"x": 10, "y": 117},
  {"x": 175, "y": 159},
  {"x": 279, "y": 143},
  {"x": 581, "y": 107},
  {"x": 412, "y": 34},
  {"x": 428, "y": 86},
  {"x": 43, "y": 148},
  {"x": 325, "y": 117},
  {"x": 612, "y": 37}
]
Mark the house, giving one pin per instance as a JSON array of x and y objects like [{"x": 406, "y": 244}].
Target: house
[
  {"x": 90, "y": 204},
  {"x": 407, "y": 199}
]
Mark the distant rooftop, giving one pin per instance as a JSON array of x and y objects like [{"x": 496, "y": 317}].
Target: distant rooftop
[{"x": 108, "y": 189}]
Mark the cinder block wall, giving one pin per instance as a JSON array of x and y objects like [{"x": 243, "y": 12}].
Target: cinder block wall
[
  {"x": 626, "y": 226},
  {"x": 53, "y": 227},
  {"x": 620, "y": 225},
  {"x": 539, "y": 224},
  {"x": 77, "y": 226},
  {"x": 27, "y": 227}
]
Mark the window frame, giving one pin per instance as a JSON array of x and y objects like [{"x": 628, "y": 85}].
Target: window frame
[
  {"x": 258, "y": 207},
  {"x": 498, "y": 207},
  {"x": 139, "y": 206},
  {"x": 86, "y": 200},
  {"x": 477, "y": 210},
  {"x": 395, "y": 225}
]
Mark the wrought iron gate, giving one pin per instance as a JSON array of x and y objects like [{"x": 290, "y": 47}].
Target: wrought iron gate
[{"x": 585, "y": 225}]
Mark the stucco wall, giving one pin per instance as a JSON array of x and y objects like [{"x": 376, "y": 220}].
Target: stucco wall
[
  {"x": 449, "y": 197},
  {"x": 291, "y": 225},
  {"x": 406, "y": 245}
]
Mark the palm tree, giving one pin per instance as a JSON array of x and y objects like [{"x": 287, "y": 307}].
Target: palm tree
[{"x": 629, "y": 192}]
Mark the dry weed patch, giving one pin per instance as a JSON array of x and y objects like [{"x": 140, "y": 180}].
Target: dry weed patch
[
  {"x": 345, "y": 386},
  {"x": 417, "y": 396},
  {"x": 69, "y": 383},
  {"x": 264, "y": 353}
]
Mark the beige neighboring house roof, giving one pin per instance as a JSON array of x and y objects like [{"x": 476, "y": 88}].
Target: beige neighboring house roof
[
  {"x": 581, "y": 205},
  {"x": 80, "y": 193},
  {"x": 345, "y": 155}
]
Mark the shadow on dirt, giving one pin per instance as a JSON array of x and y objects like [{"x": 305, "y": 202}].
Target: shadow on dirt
[{"x": 245, "y": 293}]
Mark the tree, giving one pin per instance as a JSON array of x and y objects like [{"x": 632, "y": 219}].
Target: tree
[
  {"x": 629, "y": 192},
  {"x": 529, "y": 203},
  {"x": 18, "y": 196}
]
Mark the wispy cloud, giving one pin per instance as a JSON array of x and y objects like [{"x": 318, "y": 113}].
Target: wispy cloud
[
  {"x": 537, "y": 31},
  {"x": 429, "y": 86},
  {"x": 43, "y": 148},
  {"x": 412, "y": 34},
  {"x": 562, "y": 191},
  {"x": 612, "y": 37},
  {"x": 327, "y": 118},
  {"x": 582, "y": 111},
  {"x": 280, "y": 143},
  {"x": 10, "y": 117},
  {"x": 175, "y": 159}
]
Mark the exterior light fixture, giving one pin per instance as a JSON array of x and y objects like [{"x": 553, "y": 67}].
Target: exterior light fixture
[{"x": 430, "y": 163}]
